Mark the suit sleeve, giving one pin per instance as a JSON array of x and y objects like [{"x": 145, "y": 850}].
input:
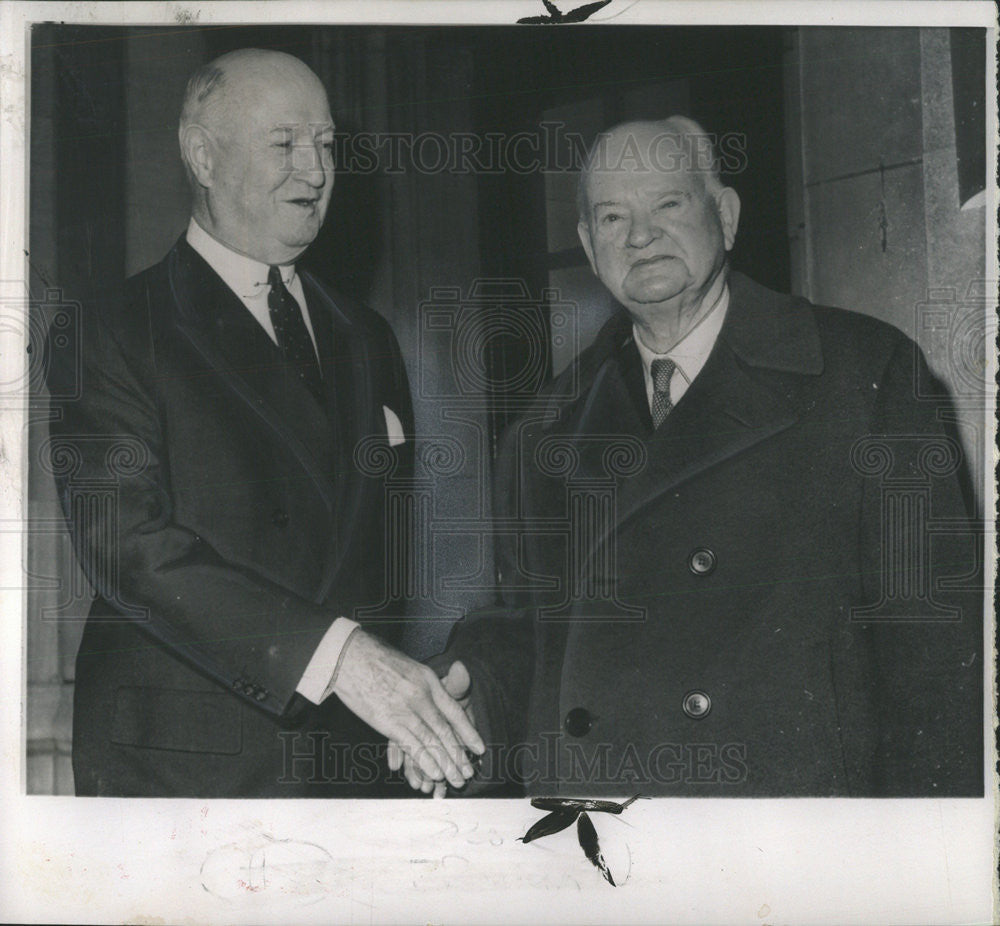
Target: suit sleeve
[
  {"x": 928, "y": 659},
  {"x": 241, "y": 630}
]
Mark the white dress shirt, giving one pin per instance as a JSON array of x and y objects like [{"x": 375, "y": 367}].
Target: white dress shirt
[
  {"x": 248, "y": 279},
  {"x": 690, "y": 352}
]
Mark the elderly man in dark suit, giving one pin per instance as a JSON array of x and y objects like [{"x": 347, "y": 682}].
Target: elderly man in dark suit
[
  {"x": 718, "y": 574},
  {"x": 229, "y": 651}
]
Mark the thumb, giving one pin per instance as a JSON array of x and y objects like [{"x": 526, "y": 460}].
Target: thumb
[{"x": 457, "y": 682}]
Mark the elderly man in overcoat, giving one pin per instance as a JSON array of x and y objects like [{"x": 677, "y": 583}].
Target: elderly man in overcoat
[{"x": 719, "y": 573}]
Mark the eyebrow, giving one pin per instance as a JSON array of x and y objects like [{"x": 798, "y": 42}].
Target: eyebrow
[
  {"x": 319, "y": 129},
  {"x": 659, "y": 195}
]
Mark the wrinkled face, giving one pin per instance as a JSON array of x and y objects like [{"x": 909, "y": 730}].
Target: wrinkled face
[
  {"x": 273, "y": 171},
  {"x": 655, "y": 236}
]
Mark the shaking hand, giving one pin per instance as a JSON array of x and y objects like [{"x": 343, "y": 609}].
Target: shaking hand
[
  {"x": 457, "y": 684},
  {"x": 404, "y": 700}
]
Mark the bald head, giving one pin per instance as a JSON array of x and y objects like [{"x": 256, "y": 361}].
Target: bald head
[
  {"x": 220, "y": 92},
  {"x": 256, "y": 138},
  {"x": 671, "y": 144}
]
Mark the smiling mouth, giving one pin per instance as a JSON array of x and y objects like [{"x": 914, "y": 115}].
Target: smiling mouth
[{"x": 646, "y": 261}]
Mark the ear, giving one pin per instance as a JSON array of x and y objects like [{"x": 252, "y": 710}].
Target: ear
[
  {"x": 583, "y": 230},
  {"x": 728, "y": 203},
  {"x": 197, "y": 151}
]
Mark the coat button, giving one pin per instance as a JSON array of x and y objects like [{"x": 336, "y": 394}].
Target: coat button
[
  {"x": 279, "y": 518},
  {"x": 578, "y": 722},
  {"x": 696, "y": 704},
  {"x": 701, "y": 561}
]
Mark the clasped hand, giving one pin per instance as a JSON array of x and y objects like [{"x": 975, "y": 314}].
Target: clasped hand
[
  {"x": 456, "y": 683},
  {"x": 427, "y": 728}
]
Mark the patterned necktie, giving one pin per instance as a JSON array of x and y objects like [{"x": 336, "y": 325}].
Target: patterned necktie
[
  {"x": 662, "y": 371},
  {"x": 293, "y": 336}
]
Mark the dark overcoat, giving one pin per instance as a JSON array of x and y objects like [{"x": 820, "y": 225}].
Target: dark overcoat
[
  {"x": 240, "y": 522},
  {"x": 768, "y": 595}
]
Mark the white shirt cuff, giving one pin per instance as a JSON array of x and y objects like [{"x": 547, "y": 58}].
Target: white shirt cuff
[{"x": 316, "y": 683}]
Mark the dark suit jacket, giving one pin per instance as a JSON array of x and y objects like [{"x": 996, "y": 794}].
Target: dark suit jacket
[
  {"x": 238, "y": 525},
  {"x": 683, "y": 610}
]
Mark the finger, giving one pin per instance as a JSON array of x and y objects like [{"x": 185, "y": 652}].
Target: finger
[
  {"x": 455, "y": 715},
  {"x": 439, "y": 790},
  {"x": 394, "y": 757},
  {"x": 440, "y": 737},
  {"x": 414, "y": 748},
  {"x": 432, "y": 730},
  {"x": 421, "y": 782},
  {"x": 457, "y": 682},
  {"x": 413, "y": 778}
]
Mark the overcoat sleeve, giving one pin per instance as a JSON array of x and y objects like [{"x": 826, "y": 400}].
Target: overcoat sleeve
[
  {"x": 497, "y": 643},
  {"x": 929, "y": 663}
]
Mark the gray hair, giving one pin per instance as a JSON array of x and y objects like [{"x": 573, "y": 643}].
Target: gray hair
[
  {"x": 204, "y": 91},
  {"x": 207, "y": 81},
  {"x": 673, "y": 126}
]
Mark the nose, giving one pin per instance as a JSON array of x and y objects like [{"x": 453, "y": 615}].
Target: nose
[
  {"x": 309, "y": 165},
  {"x": 315, "y": 178},
  {"x": 641, "y": 230}
]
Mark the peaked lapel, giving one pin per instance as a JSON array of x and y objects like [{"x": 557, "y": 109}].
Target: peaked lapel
[
  {"x": 236, "y": 347},
  {"x": 734, "y": 403}
]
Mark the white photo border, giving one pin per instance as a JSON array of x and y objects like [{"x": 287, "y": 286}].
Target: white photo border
[{"x": 691, "y": 861}]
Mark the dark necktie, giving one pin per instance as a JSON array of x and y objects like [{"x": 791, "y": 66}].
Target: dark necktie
[
  {"x": 293, "y": 336},
  {"x": 662, "y": 372}
]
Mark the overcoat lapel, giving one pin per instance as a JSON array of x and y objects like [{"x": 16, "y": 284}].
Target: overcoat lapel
[
  {"x": 726, "y": 411},
  {"x": 734, "y": 403}
]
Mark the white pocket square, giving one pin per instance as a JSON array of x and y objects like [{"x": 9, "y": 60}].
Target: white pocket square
[{"x": 393, "y": 426}]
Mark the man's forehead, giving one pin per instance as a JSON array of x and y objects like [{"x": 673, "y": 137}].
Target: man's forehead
[
  {"x": 649, "y": 153},
  {"x": 647, "y": 180},
  {"x": 276, "y": 107},
  {"x": 272, "y": 91},
  {"x": 256, "y": 68}
]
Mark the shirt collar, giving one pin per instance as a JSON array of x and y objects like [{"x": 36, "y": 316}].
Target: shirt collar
[
  {"x": 690, "y": 352},
  {"x": 243, "y": 275}
]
